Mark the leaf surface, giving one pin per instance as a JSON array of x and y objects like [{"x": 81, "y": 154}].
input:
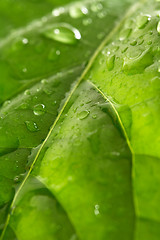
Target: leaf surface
[{"x": 79, "y": 124}]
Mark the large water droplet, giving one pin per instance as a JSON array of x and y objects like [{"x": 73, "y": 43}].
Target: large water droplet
[
  {"x": 142, "y": 21},
  {"x": 84, "y": 114},
  {"x": 31, "y": 126},
  {"x": 39, "y": 109},
  {"x": 64, "y": 33}
]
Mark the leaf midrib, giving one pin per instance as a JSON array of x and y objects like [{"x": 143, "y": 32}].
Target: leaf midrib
[{"x": 108, "y": 37}]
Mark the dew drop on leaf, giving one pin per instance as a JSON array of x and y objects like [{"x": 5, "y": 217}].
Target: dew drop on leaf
[
  {"x": 27, "y": 92},
  {"x": 64, "y": 33},
  {"x": 53, "y": 54},
  {"x": 110, "y": 62},
  {"x": 87, "y": 21},
  {"x": 124, "y": 34},
  {"x": 78, "y": 11},
  {"x": 31, "y": 126},
  {"x": 25, "y": 41},
  {"x": 39, "y": 109},
  {"x": 142, "y": 21},
  {"x": 84, "y": 114}
]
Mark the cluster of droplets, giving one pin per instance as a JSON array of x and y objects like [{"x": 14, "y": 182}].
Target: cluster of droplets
[{"x": 137, "y": 53}]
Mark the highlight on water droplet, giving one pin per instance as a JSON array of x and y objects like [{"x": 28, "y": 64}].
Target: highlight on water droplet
[
  {"x": 25, "y": 41},
  {"x": 39, "y": 109},
  {"x": 158, "y": 27},
  {"x": 31, "y": 126},
  {"x": 142, "y": 21},
  {"x": 63, "y": 33},
  {"x": 84, "y": 114}
]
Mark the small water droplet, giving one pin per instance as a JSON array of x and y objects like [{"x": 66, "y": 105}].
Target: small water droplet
[
  {"x": 87, "y": 21},
  {"x": 84, "y": 114},
  {"x": 27, "y": 92},
  {"x": 142, "y": 21},
  {"x": 31, "y": 126},
  {"x": 44, "y": 81},
  {"x": 78, "y": 11},
  {"x": 94, "y": 116},
  {"x": 53, "y": 55},
  {"x": 25, "y": 41},
  {"x": 39, "y": 109},
  {"x": 149, "y": 42},
  {"x": 137, "y": 61},
  {"x": 110, "y": 62},
  {"x": 6, "y": 103},
  {"x": 64, "y": 33},
  {"x": 57, "y": 12},
  {"x": 96, "y": 7},
  {"x": 24, "y": 70},
  {"x": 124, "y": 34},
  {"x": 96, "y": 209},
  {"x": 133, "y": 43}
]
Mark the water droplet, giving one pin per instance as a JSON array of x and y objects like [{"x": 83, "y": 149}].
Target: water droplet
[
  {"x": 101, "y": 14},
  {"x": 87, "y": 21},
  {"x": 39, "y": 109},
  {"x": 110, "y": 62},
  {"x": 44, "y": 81},
  {"x": 149, "y": 42},
  {"x": 25, "y": 41},
  {"x": 142, "y": 21},
  {"x": 6, "y": 103},
  {"x": 124, "y": 50},
  {"x": 94, "y": 116},
  {"x": 96, "y": 7},
  {"x": 53, "y": 55},
  {"x": 133, "y": 43},
  {"x": 24, "y": 70},
  {"x": 84, "y": 114},
  {"x": 137, "y": 61},
  {"x": 78, "y": 11},
  {"x": 31, "y": 126},
  {"x": 96, "y": 209},
  {"x": 64, "y": 33},
  {"x": 27, "y": 92},
  {"x": 124, "y": 34},
  {"x": 57, "y": 12}
]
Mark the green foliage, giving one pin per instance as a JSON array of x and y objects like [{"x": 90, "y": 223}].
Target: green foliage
[{"x": 79, "y": 120}]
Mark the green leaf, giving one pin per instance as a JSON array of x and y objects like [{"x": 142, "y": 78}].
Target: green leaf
[{"x": 79, "y": 121}]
